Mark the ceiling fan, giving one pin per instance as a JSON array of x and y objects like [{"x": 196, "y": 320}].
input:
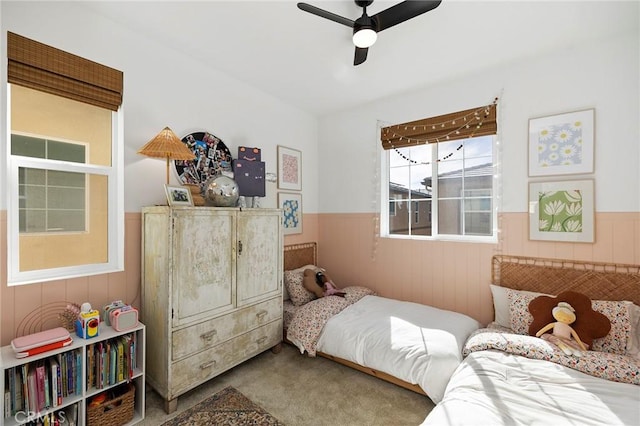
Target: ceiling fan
[{"x": 366, "y": 28}]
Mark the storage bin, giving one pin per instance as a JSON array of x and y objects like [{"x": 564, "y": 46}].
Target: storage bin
[{"x": 115, "y": 410}]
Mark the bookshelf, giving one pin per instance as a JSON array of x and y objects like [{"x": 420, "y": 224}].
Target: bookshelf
[{"x": 79, "y": 390}]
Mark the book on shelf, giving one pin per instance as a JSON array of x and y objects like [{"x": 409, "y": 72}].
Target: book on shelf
[
  {"x": 40, "y": 390},
  {"x": 32, "y": 389},
  {"x": 90, "y": 366},
  {"x": 121, "y": 360},
  {"x": 71, "y": 415},
  {"x": 56, "y": 386},
  {"x": 78, "y": 373},
  {"x": 47, "y": 389},
  {"x": 24, "y": 369},
  {"x": 10, "y": 382},
  {"x": 113, "y": 360},
  {"x": 19, "y": 396},
  {"x": 70, "y": 372}
]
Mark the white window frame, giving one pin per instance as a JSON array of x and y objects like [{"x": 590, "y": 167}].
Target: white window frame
[
  {"x": 48, "y": 161},
  {"x": 115, "y": 222},
  {"x": 384, "y": 200}
]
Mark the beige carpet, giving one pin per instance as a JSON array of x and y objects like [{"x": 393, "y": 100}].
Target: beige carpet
[
  {"x": 303, "y": 391},
  {"x": 226, "y": 408}
]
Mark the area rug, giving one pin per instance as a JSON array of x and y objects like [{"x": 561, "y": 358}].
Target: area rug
[{"x": 226, "y": 408}]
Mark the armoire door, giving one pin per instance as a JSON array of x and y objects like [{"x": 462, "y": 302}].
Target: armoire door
[
  {"x": 203, "y": 263},
  {"x": 259, "y": 255}
]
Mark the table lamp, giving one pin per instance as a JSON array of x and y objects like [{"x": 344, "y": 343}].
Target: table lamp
[{"x": 167, "y": 145}]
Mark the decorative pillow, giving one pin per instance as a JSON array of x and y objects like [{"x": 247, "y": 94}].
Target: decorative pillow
[
  {"x": 633, "y": 345},
  {"x": 293, "y": 282},
  {"x": 618, "y": 313},
  {"x": 589, "y": 324},
  {"x": 519, "y": 316},
  {"x": 501, "y": 303}
]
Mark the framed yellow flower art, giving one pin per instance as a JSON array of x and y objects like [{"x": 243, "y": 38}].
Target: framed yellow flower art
[{"x": 561, "y": 144}]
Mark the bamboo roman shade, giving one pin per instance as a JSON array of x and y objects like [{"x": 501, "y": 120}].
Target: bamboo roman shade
[
  {"x": 465, "y": 124},
  {"x": 45, "y": 68}
]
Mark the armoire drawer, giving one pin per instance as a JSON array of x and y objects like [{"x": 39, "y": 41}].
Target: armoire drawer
[
  {"x": 196, "y": 369},
  {"x": 201, "y": 336}
]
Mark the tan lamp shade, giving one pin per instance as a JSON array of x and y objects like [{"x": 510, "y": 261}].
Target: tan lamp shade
[{"x": 167, "y": 145}]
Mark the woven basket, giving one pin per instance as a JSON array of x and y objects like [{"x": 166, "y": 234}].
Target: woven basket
[{"x": 114, "y": 412}]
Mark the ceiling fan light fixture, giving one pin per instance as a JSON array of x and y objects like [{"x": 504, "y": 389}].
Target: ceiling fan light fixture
[{"x": 364, "y": 37}]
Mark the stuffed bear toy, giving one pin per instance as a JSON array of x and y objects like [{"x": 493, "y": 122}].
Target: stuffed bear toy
[{"x": 567, "y": 315}]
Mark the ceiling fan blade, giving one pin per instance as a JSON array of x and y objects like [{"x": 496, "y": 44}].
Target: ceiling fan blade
[
  {"x": 324, "y": 14},
  {"x": 360, "y": 56},
  {"x": 402, "y": 12}
]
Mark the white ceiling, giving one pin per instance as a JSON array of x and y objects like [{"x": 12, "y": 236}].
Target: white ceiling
[{"x": 307, "y": 61}]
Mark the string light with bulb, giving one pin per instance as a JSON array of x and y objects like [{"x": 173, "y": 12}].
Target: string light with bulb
[{"x": 475, "y": 119}]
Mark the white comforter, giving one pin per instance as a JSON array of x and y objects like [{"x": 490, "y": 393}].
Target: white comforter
[
  {"x": 497, "y": 388},
  {"x": 416, "y": 343}
]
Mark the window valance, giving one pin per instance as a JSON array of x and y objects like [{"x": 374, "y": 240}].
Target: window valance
[
  {"x": 45, "y": 68},
  {"x": 480, "y": 121}
]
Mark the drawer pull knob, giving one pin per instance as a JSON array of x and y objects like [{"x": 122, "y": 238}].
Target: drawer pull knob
[
  {"x": 261, "y": 315},
  {"x": 262, "y": 340},
  {"x": 208, "y": 336},
  {"x": 207, "y": 365}
]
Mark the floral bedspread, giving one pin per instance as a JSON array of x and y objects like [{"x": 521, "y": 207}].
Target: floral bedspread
[
  {"x": 608, "y": 366},
  {"x": 310, "y": 318}
]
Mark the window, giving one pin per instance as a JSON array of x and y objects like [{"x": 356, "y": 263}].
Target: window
[
  {"x": 440, "y": 188},
  {"x": 50, "y": 200},
  {"x": 64, "y": 165}
]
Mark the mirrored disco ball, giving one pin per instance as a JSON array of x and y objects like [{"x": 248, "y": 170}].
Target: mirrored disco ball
[{"x": 221, "y": 191}]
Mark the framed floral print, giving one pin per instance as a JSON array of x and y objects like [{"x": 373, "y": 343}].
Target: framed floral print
[
  {"x": 291, "y": 205},
  {"x": 561, "y": 144},
  {"x": 562, "y": 211},
  {"x": 289, "y": 168}
]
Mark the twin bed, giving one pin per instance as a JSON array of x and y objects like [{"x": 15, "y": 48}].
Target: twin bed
[
  {"x": 412, "y": 345},
  {"x": 493, "y": 375}
]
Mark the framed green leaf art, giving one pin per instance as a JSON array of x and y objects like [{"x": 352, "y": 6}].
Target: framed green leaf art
[{"x": 562, "y": 211}]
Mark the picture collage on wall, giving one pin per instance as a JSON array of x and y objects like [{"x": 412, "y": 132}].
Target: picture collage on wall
[
  {"x": 290, "y": 179},
  {"x": 564, "y": 210}
]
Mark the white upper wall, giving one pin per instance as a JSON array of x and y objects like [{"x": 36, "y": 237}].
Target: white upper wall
[
  {"x": 164, "y": 87},
  {"x": 603, "y": 75}
]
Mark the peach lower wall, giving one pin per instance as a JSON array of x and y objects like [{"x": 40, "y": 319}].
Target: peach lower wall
[
  {"x": 32, "y": 307},
  {"x": 450, "y": 275},
  {"x": 455, "y": 275}
]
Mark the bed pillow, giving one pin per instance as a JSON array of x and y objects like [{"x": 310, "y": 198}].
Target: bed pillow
[
  {"x": 516, "y": 316},
  {"x": 633, "y": 347},
  {"x": 519, "y": 316},
  {"x": 618, "y": 339},
  {"x": 293, "y": 282},
  {"x": 501, "y": 304},
  {"x": 622, "y": 339}
]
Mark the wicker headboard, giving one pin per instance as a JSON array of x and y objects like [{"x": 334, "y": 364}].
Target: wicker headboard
[
  {"x": 598, "y": 280},
  {"x": 297, "y": 255}
]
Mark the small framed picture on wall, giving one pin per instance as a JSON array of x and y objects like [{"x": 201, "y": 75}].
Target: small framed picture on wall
[
  {"x": 291, "y": 205},
  {"x": 289, "y": 168},
  {"x": 561, "y": 144},
  {"x": 562, "y": 211}
]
